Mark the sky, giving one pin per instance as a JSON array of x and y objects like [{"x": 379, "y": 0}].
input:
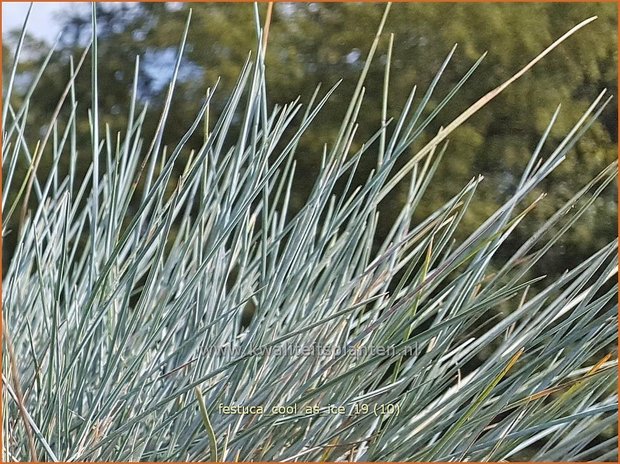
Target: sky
[
  {"x": 44, "y": 25},
  {"x": 41, "y": 24}
]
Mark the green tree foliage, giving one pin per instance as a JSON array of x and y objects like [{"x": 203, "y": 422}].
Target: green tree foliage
[
  {"x": 212, "y": 243},
  {"x": 312, "y": 43}
]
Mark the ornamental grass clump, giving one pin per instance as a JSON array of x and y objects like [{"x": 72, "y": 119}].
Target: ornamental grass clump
[{"x": 149, "y": 305}]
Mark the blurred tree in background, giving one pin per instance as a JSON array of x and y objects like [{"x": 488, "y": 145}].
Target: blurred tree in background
[{"x": 312, "y": 43}]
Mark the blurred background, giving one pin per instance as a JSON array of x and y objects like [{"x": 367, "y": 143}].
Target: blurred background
[{"x": 312, "y": 43}]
